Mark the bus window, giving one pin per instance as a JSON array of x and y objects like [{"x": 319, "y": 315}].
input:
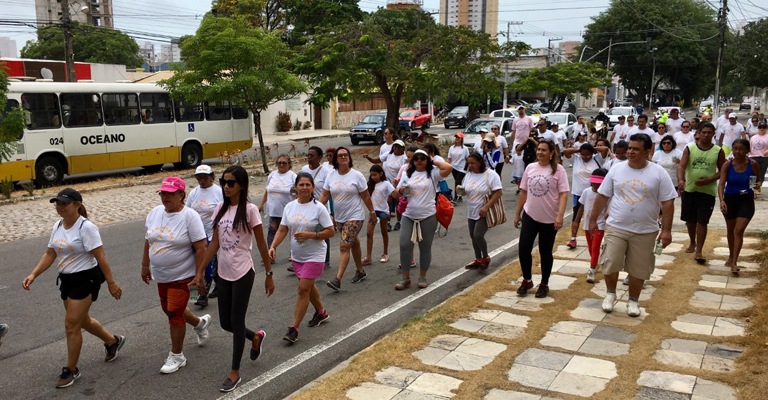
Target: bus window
[
  {"x": 239, "y": 113},
  {"x": 156, "y": 108},
  {"x": 188, "y": 111},
  {"x": 43, "y": 110},
  {"x": 217, "y": 111},
  {"x": 81, "y": 109},
  {"x": 121, "y": 108},
  {"x": 10, "y": 105}
]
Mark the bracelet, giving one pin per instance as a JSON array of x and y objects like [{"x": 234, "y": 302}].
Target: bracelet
[{"x": 317, "y": 235}]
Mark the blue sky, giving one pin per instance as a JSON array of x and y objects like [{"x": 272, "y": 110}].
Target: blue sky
[{"x": 541, "y": 20}]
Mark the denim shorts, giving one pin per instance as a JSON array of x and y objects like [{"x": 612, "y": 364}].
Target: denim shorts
[{"x": 382, "y": 215}]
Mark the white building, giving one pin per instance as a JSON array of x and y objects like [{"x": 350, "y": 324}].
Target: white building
[
  {"x": 147, "y": 50},
  {"x": 91, "y": 12},
  {"x": 480, "y": 15},
  {"x": 170, "y": 53},
  {"x": 8, "y": 48}
]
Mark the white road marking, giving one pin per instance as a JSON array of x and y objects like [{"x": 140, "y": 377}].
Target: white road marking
[{"x": 286, "y": 366}]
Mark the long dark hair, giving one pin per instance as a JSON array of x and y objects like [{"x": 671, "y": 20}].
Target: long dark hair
[
  {"x": 336, "y": 157},
  {"x": 241, "y": 217},
  {"x": 371, "y": 183},
  {"x": 307, "y": 175},
  {"x": 412, "y": 166},
  {"x": 431, "y": 148}
]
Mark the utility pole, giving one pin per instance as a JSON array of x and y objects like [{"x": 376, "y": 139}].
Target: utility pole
[
  {"x": 549, "y": 47},
  {"x": 653, "y": 78},
  {"x": 723, "y": 19},
  {"x": 506, "y": 68},
  {"x": 69, "y": 54},
  {"x": 608, "y": 67}
]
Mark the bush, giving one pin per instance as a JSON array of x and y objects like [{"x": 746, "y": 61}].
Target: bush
[
  {"x": 307, "y": 125},
  {"x": 284, "y": 122},
  {"x": 6, "y": 188},
  {"x": 297, "y": 125},
  {"x": 29, "y": 187}
]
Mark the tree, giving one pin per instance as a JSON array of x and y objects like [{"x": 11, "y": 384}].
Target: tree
[
  {"x": 749, "y": 53},
  {"x": 402, "y": 54},
  {"x": 227, "y": 59},
  {"x": 562, "y": 80},
  {"x": 12, "y": 122},
  {"x": 265, "y": 14},
  {"x": 90, "y": 44},
  {"x": 306, "y": 16},
  {"x": 684, "y": 32}
]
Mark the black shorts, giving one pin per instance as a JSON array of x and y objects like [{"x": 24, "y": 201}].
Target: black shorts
[
  {"x": 696, "y": 207},
  {"x": 458, "y": 176},
  {"x": 739, "y": 205},
  {"x": 79, "y": 285}
]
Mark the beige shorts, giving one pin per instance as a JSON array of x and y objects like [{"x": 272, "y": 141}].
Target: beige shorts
[{"x": 624, "y": 250}]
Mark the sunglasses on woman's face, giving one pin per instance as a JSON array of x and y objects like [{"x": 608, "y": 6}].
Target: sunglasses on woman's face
[
  {"x": 227, "y": 182},
  {"x": 282, "y": 163},
  {"x": 663, "y": 143},
  {"x": 419, "y": 158}
]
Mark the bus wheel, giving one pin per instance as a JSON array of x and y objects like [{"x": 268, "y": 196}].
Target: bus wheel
[
  {"x": 191, "y": 156},
  {"x": 48, "y": 172}
]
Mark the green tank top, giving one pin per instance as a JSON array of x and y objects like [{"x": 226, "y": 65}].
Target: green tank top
[{"x": 701, "y": 163}]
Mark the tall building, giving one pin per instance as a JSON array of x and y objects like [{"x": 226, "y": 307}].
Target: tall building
[
  {"x": 8, "y": 48},
  {"x": 404, "y": 4},
  {"x": 170, "y": 53},
  {"x": 147, "y": 50},
  {"x": 480, "y": 15},
  {"x": 91, "y": 12}
]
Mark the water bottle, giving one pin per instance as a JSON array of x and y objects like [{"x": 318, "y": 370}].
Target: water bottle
[
  {"x": 659, "y": 248},
  {"x": 193, "y": 294},
  {"x": 752, "y": 181}
]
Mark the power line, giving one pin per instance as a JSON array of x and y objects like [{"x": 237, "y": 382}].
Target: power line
[{"x": 664, "y": 30}]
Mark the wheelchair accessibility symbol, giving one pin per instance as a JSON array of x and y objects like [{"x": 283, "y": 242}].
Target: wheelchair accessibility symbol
[{"x": 191, "y": 127}]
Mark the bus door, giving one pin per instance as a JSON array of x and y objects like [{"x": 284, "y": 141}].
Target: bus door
[
  {"x": 84, "y": 140},
  {"x": 216, "y": 132},
  {"x": 242, "y": 128},
  {"x": 44, "y": 133},
  {"x": 123, "y": 118},
  {"x": 154, "y": 141}
]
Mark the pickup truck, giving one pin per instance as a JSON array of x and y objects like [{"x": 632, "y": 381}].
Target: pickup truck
[
  {"x": 416, "y": 119},
  {"x": 372, "y": 128}
]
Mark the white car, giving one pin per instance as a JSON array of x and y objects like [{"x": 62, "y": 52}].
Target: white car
[
  {"x": 564, "y": 121},
  {"x": 472, "y": 131},
  {"x": 615, "y": 112},
  {"x": 512, "y": 113}
]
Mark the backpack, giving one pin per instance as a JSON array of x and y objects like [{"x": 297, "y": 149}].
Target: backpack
[{"x": 529, "y": 153}]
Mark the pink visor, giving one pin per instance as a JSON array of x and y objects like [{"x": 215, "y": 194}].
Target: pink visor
[{"x": 596, "y": 179}]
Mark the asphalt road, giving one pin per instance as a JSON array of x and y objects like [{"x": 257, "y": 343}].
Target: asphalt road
[{"x": 35, "y": 347}]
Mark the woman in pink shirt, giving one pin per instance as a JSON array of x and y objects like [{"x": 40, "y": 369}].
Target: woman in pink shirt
[
  {"x": 758, "y": 145},
  {"x": 236, "y": 221},
  {"x": 547, "y": 182}
]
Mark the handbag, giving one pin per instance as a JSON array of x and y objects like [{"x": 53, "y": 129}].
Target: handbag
[
  {"x": 444, "y": 209},
  {"x": 496, "y": 214}
]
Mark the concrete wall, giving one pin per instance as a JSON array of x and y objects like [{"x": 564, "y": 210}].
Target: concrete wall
[
  {"x": 296, "y": 107},
  {"x": 108, "y": 73}
]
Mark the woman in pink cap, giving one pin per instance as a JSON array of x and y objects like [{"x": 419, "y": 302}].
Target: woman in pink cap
[{"x": 174, "y": 240}]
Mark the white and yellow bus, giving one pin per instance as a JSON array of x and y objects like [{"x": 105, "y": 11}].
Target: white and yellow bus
[{"x": 76, "y": 128}]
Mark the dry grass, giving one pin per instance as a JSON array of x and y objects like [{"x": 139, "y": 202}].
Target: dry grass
[{"x": 669, "y": 301}]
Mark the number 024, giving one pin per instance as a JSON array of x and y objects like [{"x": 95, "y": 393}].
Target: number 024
[{"x": 57, "y": 141}]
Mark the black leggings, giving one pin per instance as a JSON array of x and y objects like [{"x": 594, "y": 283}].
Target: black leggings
[
  {"x": 233, "y": 304},
  {"x": 528, "y": 233},
  {"x": 477, "y": 231}
]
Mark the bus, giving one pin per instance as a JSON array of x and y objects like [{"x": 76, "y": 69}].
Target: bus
[{"x": 83, "y": 127}]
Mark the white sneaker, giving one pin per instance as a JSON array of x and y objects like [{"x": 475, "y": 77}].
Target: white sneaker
[
  {"x": 608, "y": 301},
  {"x": 202, "y": 333},
  {"x": 633, "y": 308},
  {"x": 173, "y": 363},
  {"x": 626, "y": 280},
  {"x": 591, "y": 276}
]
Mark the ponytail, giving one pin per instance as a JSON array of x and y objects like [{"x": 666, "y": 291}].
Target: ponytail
[{"x": 82, "y": 211}]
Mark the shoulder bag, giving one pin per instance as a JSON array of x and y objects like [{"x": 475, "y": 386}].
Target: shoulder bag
[{"x": 496, "y": 214}]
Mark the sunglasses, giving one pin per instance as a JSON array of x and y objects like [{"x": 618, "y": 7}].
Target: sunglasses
[
  {"x": 419, "y": 158},
  {"x": 227, "y": 182},
  {"x": 685, "y": 126},
  {"x": 342, "y": 155},
  {"x": 282, "y": 163},
  {"x": 494, "y": 129},
  {"x": 663, "y": 143}
]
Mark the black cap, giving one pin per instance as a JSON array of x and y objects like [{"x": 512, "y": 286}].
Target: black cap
[
  {"x": 67, "y": 195},
  {"x": 622, "y": 117},
  {"x": 762, "y": 125}
]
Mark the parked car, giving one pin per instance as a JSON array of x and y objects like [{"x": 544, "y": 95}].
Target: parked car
[
  {"x": 657, "y": 114},
  {"x": 472, "y": 131},
  {"x": 544, "y": 107},
  {"x": 564, "y": 121},
  {"x": 746, "y": 104},
  {"x": 372, "y": 128},
  {"x": 416, "y": 119},
  {"x": 615, "y": 112},
  {"x": 459, "y": 116}
]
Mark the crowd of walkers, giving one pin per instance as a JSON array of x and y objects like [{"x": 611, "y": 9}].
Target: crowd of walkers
[{"x": 622, "y": 186}]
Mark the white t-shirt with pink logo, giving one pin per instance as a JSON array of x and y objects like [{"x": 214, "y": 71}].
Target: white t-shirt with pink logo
[
  {"x": 307, "y": 217},
  {"x": 543, "y": 190},
  {"x": 171, "y": 237},
  {"x": 421, "y": 200},
  {"x": 381, "y": 193},
  {"x": 73, "y": 246},
  {"x": 345, "y": 190},
  {"x": 758, "y": 144},
  {"x": 635, "y": 196},
  {"x": 236, "y": 245},
  {"x": 279, "y": 192},
  {"x": 587, "y": 199}
]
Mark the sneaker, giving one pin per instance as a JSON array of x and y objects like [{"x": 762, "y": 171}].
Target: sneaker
[
  {"x": 334, "y": 284},
  {"x": 359, "y": 277},
  {"x": 292, "y": 336},
  {"x": 591, "y": 275},
  {"x": 524, "y": 287},
  {"x": 422, "y": 282},
  {"x": 571, "y": 244},
  {"x": 461, "y": 199},
  {"x": 3, "y": 331},
  {"x": 476, "y": 264},
  {"x": 365, "y": 261},
  {"x": 229, "y": 386},
  {"x": 214, "y": 293},
  {"x": 542, "y": 291},
  {"x": 626, "y": 281},
  {"x": 173, "y": 363},
  {"x": 413, "y": 263},
  {"x": 389, "y": 227},
  {"x": 202, "y": 333},
  {"x": 113, "y": 349},
  {"x": 608, "y": 301},
  {"x": 384, "y": 258},
  {"x": 633, "y": 308},
  {"x": 327, "y": 266},
  {"x": 318, "y": 319},
  {"x": 397, "y": 226},
  {"x": 256, "y": 352},
  {"x": 403, "y": 284},
  {"x": 202, "y": 301},
  {"x": 67, "y": 377},
  {"x": 290, "y": 269},
  {"x": 486, "y": 262}
]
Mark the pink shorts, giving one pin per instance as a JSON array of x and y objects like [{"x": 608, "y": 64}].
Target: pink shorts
[{"x": 308, "y": 270}]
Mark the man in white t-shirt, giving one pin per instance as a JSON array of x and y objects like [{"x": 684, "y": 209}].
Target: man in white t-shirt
[
  {"x": 521, "y": 127},
  {"x": 635, "y": 189},
  {"x": 560, "y": 138},
  {"x": 642, "y": 127},
  {"x": 729, "y": 132},
  {"x": 674, "y": 121},
  {"x": 579, "y": 127},
  {"x": 618, "y": 131},
  {"x": 502, "y": 141},
  {"x": 722, "y": 120}
]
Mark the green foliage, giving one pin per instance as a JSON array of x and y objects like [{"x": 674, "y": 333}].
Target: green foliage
[
  {"x": 29, "y": 188},
  {"x": 227, "y": 59},
  {"x": 749, "y": 52},
  {"x": 90, "y": 44},
  {"x": 6, "y": 187},
  {"x": 562, "y": 80},
  {"x": 284, "y": 122},
  {"x": 687, "y": 45},
  {"x": 307, "y": 125},
  {"x": 307, "y": 17},
  {"x": 12, "y": 122},
  {"x": 265, "y": 14}
]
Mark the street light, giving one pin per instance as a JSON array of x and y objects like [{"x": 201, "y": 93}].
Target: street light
[{"x": 582, "y": 52}]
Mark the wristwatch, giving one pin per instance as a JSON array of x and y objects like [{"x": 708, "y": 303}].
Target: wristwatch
[{"x": 269, "y": 273}]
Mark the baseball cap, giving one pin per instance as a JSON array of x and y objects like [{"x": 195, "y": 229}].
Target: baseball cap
[
  {"x": 519, "y": 107},
  {"x": 203, "y": 169},
  {"x": 172, "y": 184},
  {"x": 553, "y": 124},
  {"x": 582, "y": 133},
  {"x": 762, "y": 125},
  {"x": 733, "y": 115},
  {"x": 483, "y": 130},
  {"x": 67, "y": 195},
  {"x": 622, "y": 117},
  {"x": 399, "y": 143},
  {"x": 459, "y": 135},
  {"x": 488, "y": 138}
]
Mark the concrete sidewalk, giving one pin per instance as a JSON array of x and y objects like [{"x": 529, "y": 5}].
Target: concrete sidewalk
[
  {"x": 299, "y": 136},
  {"x": 690, "y": 341}
]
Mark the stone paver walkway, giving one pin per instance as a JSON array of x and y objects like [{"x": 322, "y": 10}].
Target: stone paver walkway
[
  {"x": 667, "y": 385},
  {"x": 556, "y": 282},
  {"x": 510, "y": 299},
  {"x": 696, "y": 354},
  {"x": 703, "y": 299},
  {"x": 592, "y": 310},
  {"x": 745, "y": 252},
  {"x": 697, "y": 324},
  {"x": 494, "y": 323},
  {"x": 459, "y": 353},
  {"x": 561, "y": 372},
  {"x": 496, "y": 394},
  {"x": 588, "y": 338},
  {"x": 405, "y": 384},
  {"x": 727, "y": 282},
  {"x": 746, "y": 266}
]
